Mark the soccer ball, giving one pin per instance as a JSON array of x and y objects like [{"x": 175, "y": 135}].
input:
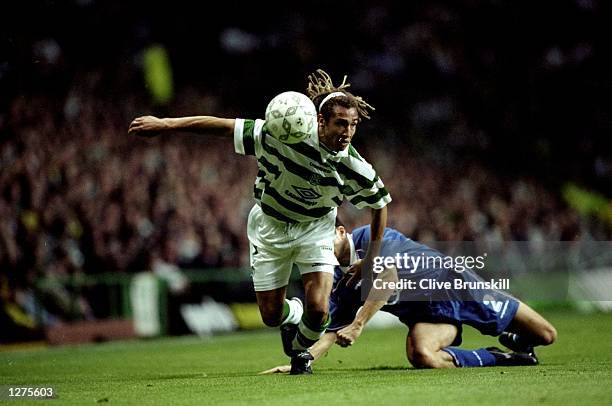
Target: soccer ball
[{"x": 291, "y": 117}]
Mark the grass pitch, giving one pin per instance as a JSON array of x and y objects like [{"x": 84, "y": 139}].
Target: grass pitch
[{"x": 223, "y": 369}]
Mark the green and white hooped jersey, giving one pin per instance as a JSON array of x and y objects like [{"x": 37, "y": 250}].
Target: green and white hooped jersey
[{"x": 304, "y": 181}]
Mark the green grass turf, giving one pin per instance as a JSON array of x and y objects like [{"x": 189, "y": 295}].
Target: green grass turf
[{"x": 189, "y": 370}]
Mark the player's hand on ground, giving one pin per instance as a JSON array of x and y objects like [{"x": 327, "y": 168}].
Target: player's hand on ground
[
  {"x": 146, "y": 126},
  {"x": 281, "y": 369},
  {"x": 348, "y": 335}
]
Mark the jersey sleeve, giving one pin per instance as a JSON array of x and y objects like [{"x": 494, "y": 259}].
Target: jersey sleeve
[
  {"x": 247, "y": 136},
  {"x": 368, "y": 189},
  {"x": 374, "y": 196}
]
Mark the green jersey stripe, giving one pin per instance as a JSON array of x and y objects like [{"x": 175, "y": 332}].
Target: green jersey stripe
[
  {"x": 302, "y": 182},
  {"x": 356, "y": 176},
  {"x": 353, "y": 152},
  {"x": 312, "y": 177},
  {"x": 270, "y": 211},
  {"x": 269, "y": 166},
  {"x": 372, "y": 199},
  {"x": 316, "y": 212},
  {"x": 306, "y": 174},
  {"x": 249, "y": 142},
  {"x": 311, "y": 153}
]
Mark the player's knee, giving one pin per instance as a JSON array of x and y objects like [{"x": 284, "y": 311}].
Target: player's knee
[
  {"x": 271, "y": 317},
  {"x": 421, "y": 357},
  {"x": 271, "y": 321},
  {"x": 317, "y": 313},
  {"x": 413, "y": 361},
  {"x": 548, "y": 335}
]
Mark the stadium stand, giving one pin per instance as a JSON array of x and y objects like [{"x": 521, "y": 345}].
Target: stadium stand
[{"x": 484, "y": 131}]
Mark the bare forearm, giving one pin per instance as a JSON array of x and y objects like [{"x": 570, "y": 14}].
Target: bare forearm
[
  {"x": 380, "y": 291},
  {"x": 323, "y": 345},
  {"x": 378, "y": 224},
  {"x": 201, "y": 124},
  {"x": 377, "y": 229},
  {"x": 317, "y": 351},
  {"x": 349, "y": 334},
  {"x": 369, "y": 309},
  {"x": 377, "y": 297},
  {"x": 150, "y": 126}
]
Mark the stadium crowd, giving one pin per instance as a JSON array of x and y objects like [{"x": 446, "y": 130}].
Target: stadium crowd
[{"x": 77, "y": 195}]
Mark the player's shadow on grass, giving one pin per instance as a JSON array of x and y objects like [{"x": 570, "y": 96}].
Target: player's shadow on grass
[{"x": 374, "y": 368}]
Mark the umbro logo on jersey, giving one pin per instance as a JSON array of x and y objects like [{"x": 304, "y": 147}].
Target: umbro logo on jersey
[{"x": 306, "y": 193}]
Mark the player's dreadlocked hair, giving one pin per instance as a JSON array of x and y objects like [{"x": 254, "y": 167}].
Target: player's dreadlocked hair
[{"x": 320, "y": 85}]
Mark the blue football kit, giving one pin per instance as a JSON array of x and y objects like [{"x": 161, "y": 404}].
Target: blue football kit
[{"x": 430, "y": 300}]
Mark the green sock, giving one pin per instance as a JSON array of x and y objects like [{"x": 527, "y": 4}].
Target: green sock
[
  {"x": 285, "y": 310},
  {"x": 309, "y": 333}
]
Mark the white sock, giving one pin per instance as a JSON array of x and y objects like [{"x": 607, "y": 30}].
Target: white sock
[{"x": 295, "y": 311}]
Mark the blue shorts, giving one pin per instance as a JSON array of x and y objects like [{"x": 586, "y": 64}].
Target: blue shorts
[
  {"x": 490, "y": 317},
  {"x": 488, "y": 311}
]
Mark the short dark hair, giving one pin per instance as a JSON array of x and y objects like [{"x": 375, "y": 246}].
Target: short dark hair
[{"x": 339, "y": 222}]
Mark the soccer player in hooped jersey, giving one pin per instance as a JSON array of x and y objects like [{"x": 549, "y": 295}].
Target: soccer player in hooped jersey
[
  {"x": 434, "y": 321},
  {"x": 297, "y": 191}
]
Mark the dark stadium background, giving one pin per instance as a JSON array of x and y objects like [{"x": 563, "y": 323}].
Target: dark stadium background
[{"x": 494, "y": 113}]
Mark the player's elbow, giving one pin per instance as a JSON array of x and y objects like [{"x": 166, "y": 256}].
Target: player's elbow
[{"x": 548, "y": 335}]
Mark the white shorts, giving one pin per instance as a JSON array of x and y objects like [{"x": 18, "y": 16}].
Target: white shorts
[{"x": 276, "y": 246}]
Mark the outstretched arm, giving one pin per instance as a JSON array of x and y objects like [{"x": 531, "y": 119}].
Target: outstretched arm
[
  {"x": 319, "y": 349},
  {"x": 150, "y": 126}
]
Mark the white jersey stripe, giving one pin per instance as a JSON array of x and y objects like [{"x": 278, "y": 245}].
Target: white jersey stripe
[{"x": 238, "y": 142}]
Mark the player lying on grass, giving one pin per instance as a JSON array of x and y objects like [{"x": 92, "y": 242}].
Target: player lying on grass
[
  {"x": 297, "y": 191},
  {"x": 435, "y": 326}
]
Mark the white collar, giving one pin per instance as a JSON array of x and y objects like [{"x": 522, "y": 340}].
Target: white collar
[{"x": 326, "y": 153}]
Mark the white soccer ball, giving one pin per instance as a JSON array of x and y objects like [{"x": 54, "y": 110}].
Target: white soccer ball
[{"x": 291, "y": 117}]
